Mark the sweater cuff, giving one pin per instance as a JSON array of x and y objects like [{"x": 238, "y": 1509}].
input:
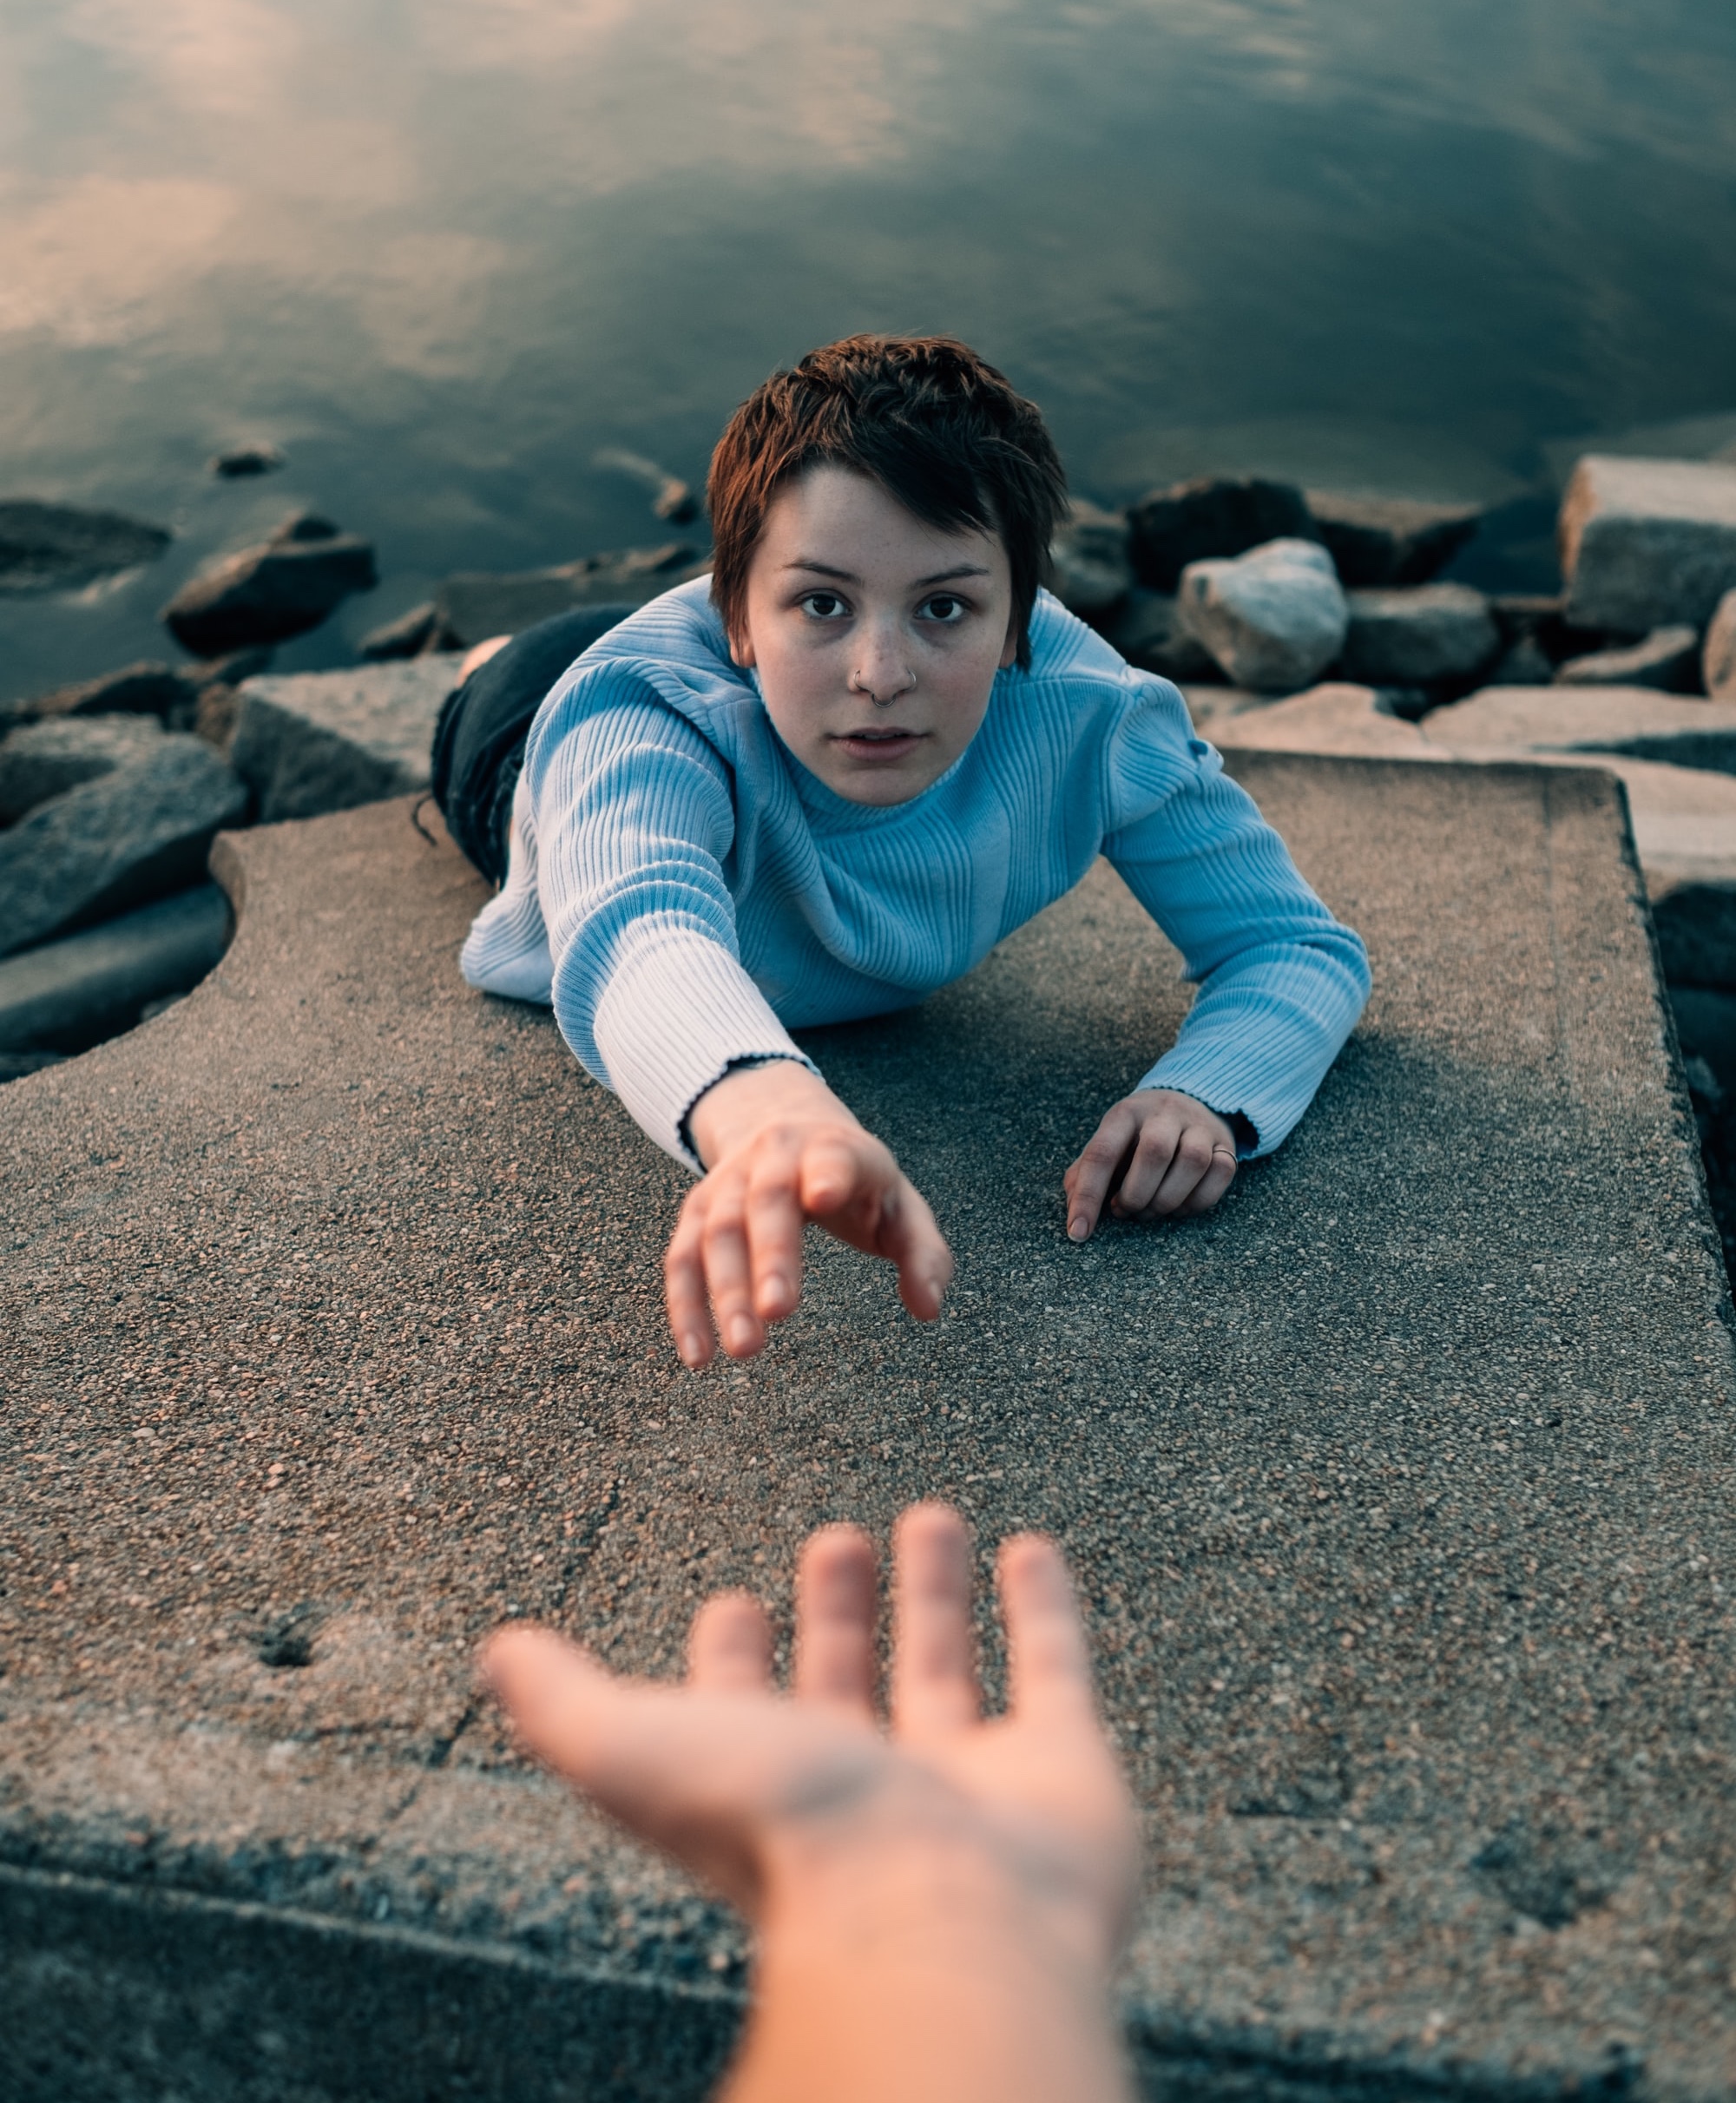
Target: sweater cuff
[{"x": 678, "y": 1013}]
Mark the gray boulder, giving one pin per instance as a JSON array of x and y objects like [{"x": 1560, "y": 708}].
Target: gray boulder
[
  {"x": 1718, "y": 659},
  {"x": 67, "y": 995},
  {"x": 1088, "y": 569},
  {"x": 329, "y": 740},
  {"x": 39, "y": 760},
  {"x": 671, "y": 498},
  {"x": 1273, "y": 619},
  {"x": 1647, "y": 543},
  {"x": 1525, "y": 663},
  {"x": 1668, "y": 660},
  {"x": 1376, "y": 540},
  {"x": 170, "y": 692},
  {"x": 122, "y": 841},
  {"x": 59, "y": 548},
  {"x": 282, "y": 587},
  {"x": 408, "y": 636},
  {"x": 1423, "y": 634},
  {"x": 1208, "y": 517},
  {"x": 475, "y": 605},
  {"x": 1146, "y": 629}
]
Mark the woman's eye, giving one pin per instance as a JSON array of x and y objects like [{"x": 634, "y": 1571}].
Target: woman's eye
[
  {"x": 944, "y": 608},
  {"x": 824, "y": 604}
]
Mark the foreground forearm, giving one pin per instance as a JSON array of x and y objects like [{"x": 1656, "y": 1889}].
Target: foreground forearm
[{"x": 930, "y": 1978}]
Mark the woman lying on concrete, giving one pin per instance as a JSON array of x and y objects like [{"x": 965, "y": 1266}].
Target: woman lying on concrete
[
  {"x": 826, "y": 781},
  {"x": 936, "y": 1913}
]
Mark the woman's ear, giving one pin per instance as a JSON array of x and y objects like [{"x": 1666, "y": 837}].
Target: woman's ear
[
  {"x": 1009, "y": 648},
  {"x": 741, "y": 649}
]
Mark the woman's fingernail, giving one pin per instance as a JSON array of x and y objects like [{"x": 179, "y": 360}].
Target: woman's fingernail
[
  {"x": 741, "y": 1333},
  {"x": 773, "y": 1289},
  {"x": 692, "y": 1345},
  {"x": 1079, "y": 1228}
]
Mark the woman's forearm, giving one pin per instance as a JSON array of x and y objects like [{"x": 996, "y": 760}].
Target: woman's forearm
[{"x": 928, "y": 1976}]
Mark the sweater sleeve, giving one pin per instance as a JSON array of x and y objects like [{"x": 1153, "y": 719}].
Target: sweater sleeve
[
  {"x": 1281, "y": 981},
  {"x": 634, "y": 821}
]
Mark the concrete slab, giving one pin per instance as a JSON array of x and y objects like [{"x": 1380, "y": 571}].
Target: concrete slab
[
  {"x": 1401, "y": 1490},
  {"x": 1636, "y": 722},
  {"x": 320, "y": 741}
]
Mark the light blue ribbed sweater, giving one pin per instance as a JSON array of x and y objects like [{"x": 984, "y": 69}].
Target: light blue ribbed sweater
[{"x": 684, "y": 892}]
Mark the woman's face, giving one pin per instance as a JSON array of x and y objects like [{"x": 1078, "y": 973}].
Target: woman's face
[{"x": 877, "y": 638}]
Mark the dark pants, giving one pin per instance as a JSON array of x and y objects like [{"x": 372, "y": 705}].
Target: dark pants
[{"x": 479, "y": 739}]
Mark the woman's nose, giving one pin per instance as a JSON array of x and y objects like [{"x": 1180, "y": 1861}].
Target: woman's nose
[{"x": 883, "y": 671}]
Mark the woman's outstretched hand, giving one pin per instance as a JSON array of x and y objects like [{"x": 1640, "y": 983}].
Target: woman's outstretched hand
[
  {"x": 780, "y": 1149},
  {"x": 937, "y": 1905},
  {"x": 1156, "y": 1152}
]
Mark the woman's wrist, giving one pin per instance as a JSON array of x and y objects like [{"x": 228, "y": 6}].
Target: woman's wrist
[{"x": 754, "y": 1095}]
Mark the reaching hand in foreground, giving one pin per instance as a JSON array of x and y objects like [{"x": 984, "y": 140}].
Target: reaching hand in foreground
[
  {"x": 937, "y": 1910},
  {"x": 780, "y": 1149},
  {"x": 1159, "y": 1152}
]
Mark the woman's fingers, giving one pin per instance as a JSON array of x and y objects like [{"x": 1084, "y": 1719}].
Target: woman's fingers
[
  {"x": 775, "y": 1221},
  {"x": 729, "y": 1647},
  {"x": 910, "y": 1238},
  {"x": 1049, "y": 1668},
  {"x": 1215, "y": 1181},
  {"x": 684, "y": 1285},
  {"x": 836, "y": 1609},
  {"x": 1189, "y": 1164},
  {"x": 729, "y": 1269},
  {"x": 1090, "y": 1178},
  {"x": 933, "y": 1664},
  {"x": 1152, "y": 1161}
]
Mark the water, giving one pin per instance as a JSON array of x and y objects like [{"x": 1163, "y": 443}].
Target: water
[{"x": 444, "y": 253}]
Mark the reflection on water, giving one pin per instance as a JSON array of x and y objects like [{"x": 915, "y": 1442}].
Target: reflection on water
[{"x": 444, "y": 253}]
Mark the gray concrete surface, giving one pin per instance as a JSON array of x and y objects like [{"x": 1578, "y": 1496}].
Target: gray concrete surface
[{"x": 1400, "y": 1490}]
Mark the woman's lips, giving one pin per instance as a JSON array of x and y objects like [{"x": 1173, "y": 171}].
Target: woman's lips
[{"x": 884, "y": 746}]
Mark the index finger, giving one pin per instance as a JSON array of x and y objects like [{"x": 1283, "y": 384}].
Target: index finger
[
  {"x": 912, "y": 1239},
  {"x": 1049, "y": 1664},
  {"x": 934, "y": 1662},
  {"x": 1087, "y": 1182}
]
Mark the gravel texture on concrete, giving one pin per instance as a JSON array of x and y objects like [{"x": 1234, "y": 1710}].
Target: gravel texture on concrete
[{"x": 1400, "y": 1490}]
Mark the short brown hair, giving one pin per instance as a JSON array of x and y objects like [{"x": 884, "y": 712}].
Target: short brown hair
[{"x": 935, "y": 425}]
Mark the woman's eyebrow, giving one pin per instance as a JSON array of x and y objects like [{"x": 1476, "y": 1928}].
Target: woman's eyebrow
[
  {"x": 849, "y": 576},
  {"x": 946, "y": 577},
  {"x": 823, "y": 569}
]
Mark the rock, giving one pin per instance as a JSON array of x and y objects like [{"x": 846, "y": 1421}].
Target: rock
[
  {"x": 1087, "y": 560},
  {"x": 408, "y": 636},
  {"x": 17, "y": 1066},
  {"x": 1668, "y": 659},
  {"x": 1211, "y": 516},
  {"x": 1423, "y": 634},
  {"x": 1647, "y": 544},
  {"x": 145, "y": 689},
  {"x": 57, "y": 547},
  {"x": 67, "y": 995},
  {"x": 1273, "y": 619},
  {"x": 671, "y": 498},
  {"x": 1706, "y": 1028},
  {"x": 169, "y": 691},
  {"x": 43, "y": 759},
  {"x": 1376, "y": 540},
  {"x": 1338, "y": 717},
  {"x": 282, "y": 587},
  {"x": 116, "y": 843},
  {"x": 1526, "y": 664},
  {"x": 328, "y": 740},
  {"x": 1638, "y": 722},
  {"x": 256, "y": 459},
  {"x": 476, "y": 605},
  {"x": 1148, "y": 631},
  {"x": 1718, "y": 660}
]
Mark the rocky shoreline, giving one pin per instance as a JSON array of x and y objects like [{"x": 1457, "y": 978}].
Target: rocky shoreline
[{"x": 1294, "y": 620}]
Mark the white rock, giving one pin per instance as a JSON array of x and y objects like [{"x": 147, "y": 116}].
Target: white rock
[
  {"x": 1647, "y": 543},
  {"x": 1718, "y": 659},
  {"x": 1274, "y": 618},
  {"x": 1428, "y": 633},
  {"x": 1666, "y": 659},
  {"x": 328, "y": 740}
]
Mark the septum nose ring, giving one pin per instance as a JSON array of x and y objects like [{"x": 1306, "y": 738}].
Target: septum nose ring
[{"x": 858, "y": 685}]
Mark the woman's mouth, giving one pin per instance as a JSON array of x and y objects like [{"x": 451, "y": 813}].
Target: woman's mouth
[{"x": 881, "y": 743}]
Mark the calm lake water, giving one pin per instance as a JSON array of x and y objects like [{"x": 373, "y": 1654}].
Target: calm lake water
[{"x": 444, "y": 252}]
